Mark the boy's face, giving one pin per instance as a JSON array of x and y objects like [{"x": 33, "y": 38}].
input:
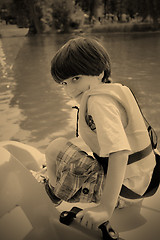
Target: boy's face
[{"x": 76, "y": 86}]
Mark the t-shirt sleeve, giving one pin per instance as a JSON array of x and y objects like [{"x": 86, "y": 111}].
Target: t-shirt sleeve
[{"x": 109, "y": 128}]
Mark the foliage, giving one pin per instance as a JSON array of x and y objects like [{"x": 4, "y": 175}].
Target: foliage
[
  {"x": 141, "y": 8},
  {"x": 84, "y": 4},
  {"x": 35, "y": 14},
  {"x": 42, "y": 15},
  {"x": 89, "y": 6},
  {"x": 62, "y": 11},
  {"x": 21, "y": 11},
  {"x": 77, "y": 17},
  {"x": 7, "y": 12}
]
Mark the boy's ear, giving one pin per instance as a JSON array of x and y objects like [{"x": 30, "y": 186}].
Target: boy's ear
[{"x": 101, "y": 76}]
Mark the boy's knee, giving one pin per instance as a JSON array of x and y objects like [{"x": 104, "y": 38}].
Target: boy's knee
[{"x": 55, "y": 147}]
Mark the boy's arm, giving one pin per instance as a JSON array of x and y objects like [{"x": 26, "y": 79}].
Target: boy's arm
[
  {"x": 95, "y": 216},
  {"x": 114, "y": 180}
]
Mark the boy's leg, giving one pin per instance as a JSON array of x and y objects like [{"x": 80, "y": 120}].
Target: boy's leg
[{"x": 51, "y": 153}]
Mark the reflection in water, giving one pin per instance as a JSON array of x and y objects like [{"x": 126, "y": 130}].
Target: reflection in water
[
  {"x": 7, "y": 128},
  {"x": 35, "y": 110},
  {"x": 2, "y": 60},
  {"x": 42, "y": 102}
]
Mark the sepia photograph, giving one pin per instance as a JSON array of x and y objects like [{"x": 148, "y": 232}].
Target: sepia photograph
[{"x": 79, "y": 119}]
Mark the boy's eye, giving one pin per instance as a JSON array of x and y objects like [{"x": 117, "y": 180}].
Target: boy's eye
[
  {"x": 63, "y": 83},
  {"x": 75, "y": 79}
]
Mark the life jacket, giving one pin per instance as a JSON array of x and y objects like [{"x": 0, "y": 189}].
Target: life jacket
[{"x": 136, "y": 131}]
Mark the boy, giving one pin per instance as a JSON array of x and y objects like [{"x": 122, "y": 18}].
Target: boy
[{"x": 111, "y": 125}]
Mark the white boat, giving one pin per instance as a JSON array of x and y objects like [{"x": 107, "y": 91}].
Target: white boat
[{"x": 26, "y": 211}]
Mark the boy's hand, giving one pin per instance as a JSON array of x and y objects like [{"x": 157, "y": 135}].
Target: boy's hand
[{"x": 92, "y": 218}]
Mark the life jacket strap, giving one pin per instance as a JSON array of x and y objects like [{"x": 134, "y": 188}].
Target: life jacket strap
[
  {"x": 132, "y": 158},
  {"x": 139, "y": 155},
  {"x": 155, "y": 180},
  {"x": 152, "y": 188}
]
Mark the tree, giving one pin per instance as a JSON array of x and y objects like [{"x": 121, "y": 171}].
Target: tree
[
  {"x": 143, "y": 8},
  {"x": 29, "y": 12},
  {"x": 90, "y": 7},
  {"x": 35, "y": 14},
  {"x": 62, "y": 11},
  {"x": 41, "y": 15},
  {"x": 84, "y": 4},
  {"x": 149, "y": 8},
  {"x": 154, "y": 10}
]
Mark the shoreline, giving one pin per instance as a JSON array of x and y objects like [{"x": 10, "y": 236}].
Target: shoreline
[
  {"x": 111, "y": 28},
  {"x": 125, "y": 27},
  {"x": 12, "y": 31}
]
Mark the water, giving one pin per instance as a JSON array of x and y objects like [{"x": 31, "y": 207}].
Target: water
[{"x": 35, "y": 110}]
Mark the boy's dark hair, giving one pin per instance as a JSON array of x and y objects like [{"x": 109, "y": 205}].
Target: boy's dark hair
[{"x": 80, "y": 56}]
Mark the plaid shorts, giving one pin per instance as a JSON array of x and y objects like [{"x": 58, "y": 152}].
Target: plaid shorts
[{"x": 79, "y": 177}]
